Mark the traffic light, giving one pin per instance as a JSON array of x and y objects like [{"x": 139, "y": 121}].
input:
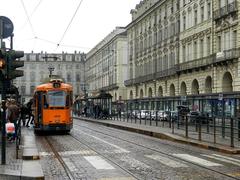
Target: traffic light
[
  {"x": 3, "y": 63},
  {"x": 14, "y": 63}
]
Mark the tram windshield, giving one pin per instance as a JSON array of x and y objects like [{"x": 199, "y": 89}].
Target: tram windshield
[{"x": 56, "y": 98}]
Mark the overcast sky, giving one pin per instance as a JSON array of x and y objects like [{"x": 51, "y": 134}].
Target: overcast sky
[{"x": 40, "y": 25}]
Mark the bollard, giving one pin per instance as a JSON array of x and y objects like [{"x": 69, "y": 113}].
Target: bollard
[
  {"x": 172, "y": 126},
  {"x": 214, "y": 130},
  {"x": 238, "y": 129},
  {"x": 186, "y": 127},
  {"x": 199, "y": 128},
  {"x": 3, "y": 132},
  {"x": 232, "y": 132},
  {"x": 150, "y": 118},
  {"x": 156, "y": 119},
  {"x": 170, "y": 120},
  {"x": 207, "y": 123}
]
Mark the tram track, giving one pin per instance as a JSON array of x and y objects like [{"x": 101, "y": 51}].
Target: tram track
[
  {"x": 60, "y": 159},
  {"x": 158, "y": 151}
]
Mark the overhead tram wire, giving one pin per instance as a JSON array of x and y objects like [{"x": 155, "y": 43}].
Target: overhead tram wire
[
  {"x": 29, "y": 21},
  {"x": 34, "y": 10},
  {"x": 69, "y": 24}
]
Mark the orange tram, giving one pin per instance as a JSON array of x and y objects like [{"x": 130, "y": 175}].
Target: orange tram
[{"x": 53, "y": 106}]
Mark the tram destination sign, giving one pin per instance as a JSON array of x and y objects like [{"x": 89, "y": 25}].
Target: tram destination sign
[{"x": 6, "y": 27}]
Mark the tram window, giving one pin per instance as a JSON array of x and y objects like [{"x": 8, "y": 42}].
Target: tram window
[
  {"x": 45, "y": 101},
  {"x": 56, "y": 98}
]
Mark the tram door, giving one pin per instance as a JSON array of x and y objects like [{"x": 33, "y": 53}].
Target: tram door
[{"x": 39, "y": 111}]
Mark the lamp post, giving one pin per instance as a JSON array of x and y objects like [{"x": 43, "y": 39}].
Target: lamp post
[{"x": 51, "y": 69}]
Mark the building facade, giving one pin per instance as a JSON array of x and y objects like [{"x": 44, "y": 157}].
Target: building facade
[
  {"x": 38, "y": 67},
  {"x": 183, "y": 47},
  {"x": 106, "y": 65}
]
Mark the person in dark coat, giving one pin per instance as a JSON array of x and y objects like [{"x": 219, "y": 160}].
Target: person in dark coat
[{"x": 29, "y": 112}]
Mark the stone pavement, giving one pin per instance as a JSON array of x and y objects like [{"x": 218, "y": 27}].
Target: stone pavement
[
  {"x": 166, "y": 133},
  {"x": 27, "y": 166}
]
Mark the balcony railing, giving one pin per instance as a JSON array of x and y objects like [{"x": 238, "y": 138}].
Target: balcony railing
[
  {"x": 167, "y": 72},
  {"x": 224, "y": 11},
  {"x": 224, "y": 56},
  {"x": 201, "y": 62},
  {"x": 110, "y": 87},
  {"x": 227, "y": 55},
  {"x": 128, "y": 82}
]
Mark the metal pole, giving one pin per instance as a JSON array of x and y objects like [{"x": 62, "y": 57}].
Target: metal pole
[
  {"x": 232, "y": 133},
  {"x": 186, "y": 133},
  {"x": 3, "y": 90}
]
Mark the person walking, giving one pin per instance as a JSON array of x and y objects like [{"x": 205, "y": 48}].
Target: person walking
[
  {"x": 12, "y": 114},
  {"x": 29, "y": 112},
  {"x": 23, "y": 113}
]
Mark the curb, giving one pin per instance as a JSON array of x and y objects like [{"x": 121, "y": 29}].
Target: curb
[{"x": 170, "y": 137}]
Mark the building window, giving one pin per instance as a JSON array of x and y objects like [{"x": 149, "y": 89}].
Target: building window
[
  {"x": 23, "y": 90},
  {"x": 32, "y": 76},
  {"x": 219, "y": 43},
  {"x": 195, "y": 17},
  {"x": 195, "y": 50},
  {"x": 234, "y": 39},
  {"x": 32, "y": 88},
  {"x": 201, "y": 48},
  {"x": 208, "y": 46},
  {"x": 202, "y": 13},
  {"x": 189, "y": 55},
  {"x": 184, "y": 53},
  {"x": 78, "y": 78},
  {"x": 209, "y": 10},
  {"x": 184, "y": 22},
  {"x": 69, "y": 78}
]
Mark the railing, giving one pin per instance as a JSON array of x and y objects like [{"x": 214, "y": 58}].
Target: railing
[
  {"x": 225, "y": 131},
  {"x": 224, "y": 11},
  {"x": 227, "y": 55},
  {"x": 201, "y": 62},
  {"x": 18, "y": 136},
  {"x": 167, "y": 72}
]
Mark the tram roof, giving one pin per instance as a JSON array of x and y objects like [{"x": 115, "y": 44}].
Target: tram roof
[{"x": 47, "y": 86}]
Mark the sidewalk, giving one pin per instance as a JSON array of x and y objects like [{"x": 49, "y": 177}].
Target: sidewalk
[
  {"x": 27, "y": 166},
  {"x": 166, "y": 133}
]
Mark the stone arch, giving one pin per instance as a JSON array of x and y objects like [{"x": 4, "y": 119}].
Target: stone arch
[
  {"x": 227, "y": 82},
  {"x": 208, "y": 85},
  {"x": 141, "y": 93},
  {"x": 131, "y": 95},
  {"x": 195, "y": 87},
  {"x": 183, "y": 89},
  {"x": 172, "y": 90},
  {"x": 160, "y": 91},
  {"x": 150, "y": 92}
]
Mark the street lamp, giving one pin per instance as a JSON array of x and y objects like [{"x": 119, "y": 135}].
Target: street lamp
[{"x": 51, "y": 69}]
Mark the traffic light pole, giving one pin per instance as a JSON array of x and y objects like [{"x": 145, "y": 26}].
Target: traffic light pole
[{"x": 3, "y": 92}]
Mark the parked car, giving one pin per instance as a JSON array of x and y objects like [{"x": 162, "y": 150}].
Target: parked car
[
  {"x": 196, "y": 116},
  {"x": 142, "y": 114}
]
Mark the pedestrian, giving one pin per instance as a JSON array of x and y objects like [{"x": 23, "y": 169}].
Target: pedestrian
[
  {"x": 23, "y": 113},
  {"x": 29, "y": 112},
  {"x": 12, "y": 114}
]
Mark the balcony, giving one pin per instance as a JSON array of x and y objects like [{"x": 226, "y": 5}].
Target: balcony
[
  {"x": 226, "y": 55},
  {"x": 226, "y": 10},
  {"x": 144, "y": 78},
  {"x": 196, "y": 64},
  {"x": 128, "y": 82},
  {"x": 110, "y": 87},
  {"x": 167, "y": 72}
]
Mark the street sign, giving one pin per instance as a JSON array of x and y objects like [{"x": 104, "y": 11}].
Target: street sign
[{"x": 6, "y": 27}]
